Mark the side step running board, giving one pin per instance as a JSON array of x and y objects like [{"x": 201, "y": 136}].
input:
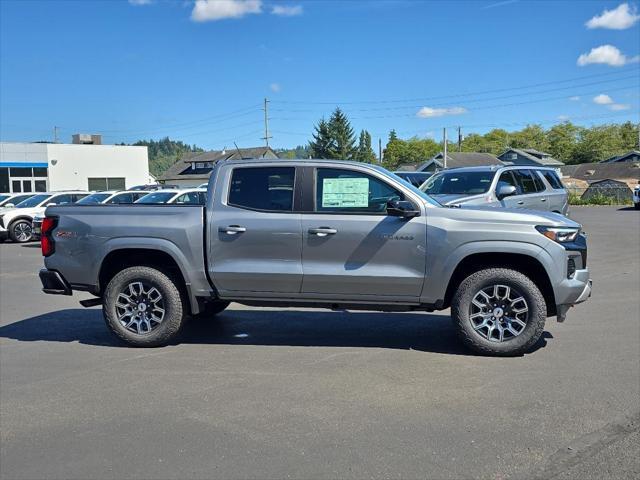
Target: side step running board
[{"x": 91, "y": 302}]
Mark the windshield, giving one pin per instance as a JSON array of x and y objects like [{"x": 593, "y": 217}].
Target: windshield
[
  {"x": 3, "y": 198},
  {"x": 458, "y": 183},
  {"x": 93, "y": 199},
  {"x": 33, "y": 201},
  {"x": 157, "y": 197}
]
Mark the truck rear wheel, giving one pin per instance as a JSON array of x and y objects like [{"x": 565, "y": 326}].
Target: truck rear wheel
[
  {"x": 499, "y": 311},
  {"x": 143, "y": 307}
]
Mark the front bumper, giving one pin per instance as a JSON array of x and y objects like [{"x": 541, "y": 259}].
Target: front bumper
[
  {"x": 573, "y": 291},
  {"x": 54, "y": 283}
]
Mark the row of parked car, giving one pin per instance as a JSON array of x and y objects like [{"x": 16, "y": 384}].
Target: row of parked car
[{"x": 21, "y": 214}]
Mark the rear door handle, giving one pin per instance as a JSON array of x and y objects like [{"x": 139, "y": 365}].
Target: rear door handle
[
  {"x": 232, "y": 229},
  {"x": 323, "y": 231},
  {"x": 520, "y": 202}
]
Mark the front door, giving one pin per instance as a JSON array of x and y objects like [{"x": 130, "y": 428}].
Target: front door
[
  {"x": 352, "y": 248},
  {"x": 255, "y": 238}
]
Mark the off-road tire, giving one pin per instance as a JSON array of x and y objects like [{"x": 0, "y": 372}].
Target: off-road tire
[
  {"x": 174, "y": 303},
  {"x": 13, "y": 234},
  {"x": 211, "y": 309},
  {"x": 460, "y": 306}
]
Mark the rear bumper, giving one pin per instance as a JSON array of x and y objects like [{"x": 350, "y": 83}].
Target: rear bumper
[{"x": 54, "y": 283}]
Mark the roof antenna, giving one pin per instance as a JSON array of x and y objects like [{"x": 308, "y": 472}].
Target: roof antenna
[{"x": 239, "y": 152}]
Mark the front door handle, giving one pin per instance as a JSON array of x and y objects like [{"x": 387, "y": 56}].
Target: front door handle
[
  {"x": 521, "y": 202},
  {"x": 232, "y": 229},
  {"x": 543, "y": 200},
  {"x": 323, "y": 231}
]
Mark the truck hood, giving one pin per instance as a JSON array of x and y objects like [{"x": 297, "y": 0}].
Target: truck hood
[
  {"x": 455, "y": 198},
  {"x": 511, "y": 215}
]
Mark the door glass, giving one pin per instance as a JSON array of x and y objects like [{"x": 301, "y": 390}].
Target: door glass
[
  {"x": 349, "y": 191},
  {"x": 16, "y": 186},
  {"x": 262, "y": 188},
  {"x": 526, "y": 181},
  {"x": 553, "y": 179},
  {"x": 539, "y": 183},
  {"x": 61, "y": 199},
  {"x": 26, "y": 186},
  {"x": 190, "y": 198}
]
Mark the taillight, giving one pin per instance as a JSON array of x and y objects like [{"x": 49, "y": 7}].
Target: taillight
[{"x": 46, "y": 240}]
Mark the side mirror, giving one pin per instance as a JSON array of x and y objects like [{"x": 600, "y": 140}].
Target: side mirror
[
  {"x": 505, "y": 191},
  {"x": 51, "y": 204},
  {"x": 401, "y": 208}
]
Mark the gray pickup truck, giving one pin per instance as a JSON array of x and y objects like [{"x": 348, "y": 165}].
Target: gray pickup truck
[{"x": 316, "y": 233}]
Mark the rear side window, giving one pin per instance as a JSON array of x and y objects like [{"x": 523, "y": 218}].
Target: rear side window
[
  {"x": 120, "y": 199},
  {"x": 552, "y": 178},
  {"x": 61, "y": 199},
  {"x": 189, "y": 198},
  {"x": 263, "y": 188},
  {"x": 349, "y": 191},
  {"x": 526, "y": 181}
]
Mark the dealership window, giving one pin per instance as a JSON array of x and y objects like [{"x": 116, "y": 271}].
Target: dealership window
[
  {"x": 107, "y": 183},
  {"x": 23, "y": 179}
]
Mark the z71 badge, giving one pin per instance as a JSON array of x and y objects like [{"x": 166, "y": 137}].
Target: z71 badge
[{"x": 397, "y": 237}]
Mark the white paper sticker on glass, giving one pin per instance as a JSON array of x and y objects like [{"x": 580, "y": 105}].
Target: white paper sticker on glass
[{"x": 345, "y": 192}]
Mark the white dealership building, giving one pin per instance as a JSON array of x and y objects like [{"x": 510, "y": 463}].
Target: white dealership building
[{"x": 85, "y": 164}]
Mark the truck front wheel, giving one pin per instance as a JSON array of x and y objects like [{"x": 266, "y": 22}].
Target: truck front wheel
[
  {"x": 499, "y": 311},
  {"x": 143, "y": 307}
]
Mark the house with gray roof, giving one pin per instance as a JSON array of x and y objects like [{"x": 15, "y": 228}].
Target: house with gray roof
[
  {"x": 528, "y": 156},
  {"x": 459, "y": 159},
  {"x": 194, "y": 168},
  {"x": 632, "y": 156}
]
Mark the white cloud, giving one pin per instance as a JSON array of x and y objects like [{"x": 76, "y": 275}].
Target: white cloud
[
  {"x": 275, "y": 87},
  {"x": 607, "y": 55},
  {"x": 140, "y": 2},
  {"x": 212, "y": 10},
  {"x": 428, "y": 112},
  {"x": 287, "y": 10},
  {"x": 619, "y": 18},
  {"x": 575, "y": 98},
  {"x": 602, "y": 99},
  {"x": 619, "y": 106},
  {"x": 563, "y": 118}
]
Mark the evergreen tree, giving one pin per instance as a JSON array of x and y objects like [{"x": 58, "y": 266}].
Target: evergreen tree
[
  {"x": 392, "y": 135},
  {"x": 342, "y": 137},
  {"x": 321, "y": 145},
  {"x": 364, "y": 152}
]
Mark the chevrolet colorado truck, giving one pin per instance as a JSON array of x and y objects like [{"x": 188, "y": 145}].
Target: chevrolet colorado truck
[{"x": 317, "y": 233}]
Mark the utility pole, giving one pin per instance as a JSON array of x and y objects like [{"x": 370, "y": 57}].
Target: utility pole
[
  {"x": 55, "y": 134},
  {"x": 444, "y": 146},
  {"x": 266, "y": 122},
  {"x": 379, "y": 149},
  {"x": 459, "y": 139}
]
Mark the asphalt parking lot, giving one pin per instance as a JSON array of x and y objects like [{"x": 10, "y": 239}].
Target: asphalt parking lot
[{"x": 286, "y": 393}]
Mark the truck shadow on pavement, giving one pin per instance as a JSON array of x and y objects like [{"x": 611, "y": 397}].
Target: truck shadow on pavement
[{"x": 402, "y": 331}]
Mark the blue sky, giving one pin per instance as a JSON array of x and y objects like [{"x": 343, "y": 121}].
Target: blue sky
[{"x": 198, "y": 71}]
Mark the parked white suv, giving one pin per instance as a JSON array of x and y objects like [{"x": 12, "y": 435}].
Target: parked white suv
[
  {"x": 16, "y": 223},
  {"x": 533, "y": 188},
  {"x": 191, "y": 196},
  {"x": 10, "y": 200}
]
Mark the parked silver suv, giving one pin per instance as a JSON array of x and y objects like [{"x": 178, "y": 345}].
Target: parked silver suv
[{"x": 534, "y": 188}]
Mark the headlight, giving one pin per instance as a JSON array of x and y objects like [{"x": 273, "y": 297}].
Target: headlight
[{"x": 559, "y": 234}]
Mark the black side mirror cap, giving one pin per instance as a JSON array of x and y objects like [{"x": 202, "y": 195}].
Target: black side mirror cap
[{"x": 402, "y": 208}]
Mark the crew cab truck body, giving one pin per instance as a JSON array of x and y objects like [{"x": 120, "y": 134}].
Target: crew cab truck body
[{"x": 318, "y": 234}]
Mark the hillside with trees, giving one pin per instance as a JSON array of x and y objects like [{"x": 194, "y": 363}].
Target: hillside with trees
[{"x": 165, "y": 152}]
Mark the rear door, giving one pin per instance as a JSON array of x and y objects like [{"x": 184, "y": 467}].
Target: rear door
[
  {"x": 352, "y": 249},
  {"x": 558, "y": 197},
  {"x": 255, "y": 237}
]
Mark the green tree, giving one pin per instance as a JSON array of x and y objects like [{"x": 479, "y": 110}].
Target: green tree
[
  {"x": 532, "y": 136},
  {"x": 562, "y": 140},
  {"x": 392, "y": 135},
  {"x": 342, "y": 136},
  {"x": 165, "y": 152},
  {"x": 364, "y": 152},
  {"x": 321, "y": 145}
]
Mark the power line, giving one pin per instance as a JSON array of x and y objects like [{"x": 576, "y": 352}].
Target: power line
[{"x": 417, "y": 99}]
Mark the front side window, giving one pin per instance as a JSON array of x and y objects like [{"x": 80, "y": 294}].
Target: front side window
[
  {"x": 262, "y": 188},
  {"x": 349, "y": 191},
  {"x": 526, "y": 180},
  {"x": 189, "y": 198},
  {"x": 120, "y": 199},
  {"x": 61, "y": 199},
  {"x": 458, "y": 183},
  {"x": 94, "y": 198}
]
